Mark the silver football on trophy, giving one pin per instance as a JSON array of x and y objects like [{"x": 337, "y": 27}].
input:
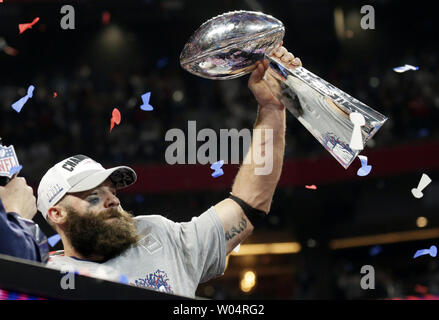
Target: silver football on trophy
[{"x": 229, "y": 45}]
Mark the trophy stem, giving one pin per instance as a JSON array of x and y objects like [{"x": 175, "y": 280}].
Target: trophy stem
[{"x": 324, "y": 109}]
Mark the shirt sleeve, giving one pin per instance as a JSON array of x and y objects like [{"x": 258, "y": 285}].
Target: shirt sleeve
[
  {"x": 203, "y": 245},
  {"x": 16, "y": 238}
]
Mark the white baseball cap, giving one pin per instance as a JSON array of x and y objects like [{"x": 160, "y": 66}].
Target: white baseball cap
[{"x": 76, "y": 174}]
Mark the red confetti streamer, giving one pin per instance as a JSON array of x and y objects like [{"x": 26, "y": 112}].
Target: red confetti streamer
[
  {"x": 312, "y": 187},
  {"x": 106, "y": 16},
  {"x": 115, "y": 119},
  {"x": 24, "y": 26},
  {"x": 116, "y": 115}
]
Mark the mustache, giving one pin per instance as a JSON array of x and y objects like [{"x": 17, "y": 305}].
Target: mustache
[{"x": 109, "y": 213}]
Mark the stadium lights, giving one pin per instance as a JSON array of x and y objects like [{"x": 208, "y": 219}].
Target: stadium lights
[{"x": 344, "y": 243}]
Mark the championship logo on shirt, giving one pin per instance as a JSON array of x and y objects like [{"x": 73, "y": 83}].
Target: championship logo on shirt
[
  {"x": 156, "y": 281},
  {"x": 150, "y": 244},
  {"x": 8, "y": 160}
]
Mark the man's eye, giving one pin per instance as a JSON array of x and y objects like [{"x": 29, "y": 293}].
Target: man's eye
[{"x": 93, "y": 200}]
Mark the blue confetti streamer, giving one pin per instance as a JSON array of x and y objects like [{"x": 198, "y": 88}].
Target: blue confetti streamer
[
  {"x": 375, "y": 250},
  {"x": 53, "y": 240},
  {"x": 17, "y": 106},
  {"x": 15, "y": 170},
  {"x": 432, "y": 252},
  {"x": 365, "y": 169},
  {"x": 146, "y": 106},
  {"x": 123, "y": 279},
  {"x": 405, "y": 68},
  {"x": 217, "y": 167}
]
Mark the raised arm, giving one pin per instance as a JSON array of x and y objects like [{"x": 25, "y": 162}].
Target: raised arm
[{"x": 259, "y": 174}]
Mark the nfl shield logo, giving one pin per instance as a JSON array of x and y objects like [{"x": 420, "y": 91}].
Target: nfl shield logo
[{"x": 8, "y": 160}]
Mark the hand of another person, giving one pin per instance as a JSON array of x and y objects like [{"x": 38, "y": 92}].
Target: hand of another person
[{"x": 18, "y": 197}]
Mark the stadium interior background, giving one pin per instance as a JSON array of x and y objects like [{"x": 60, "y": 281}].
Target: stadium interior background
[{"x": 348, "y": 222}]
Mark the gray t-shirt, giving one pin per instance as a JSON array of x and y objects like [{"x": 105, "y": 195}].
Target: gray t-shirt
[{"x": 169, "y": 257}]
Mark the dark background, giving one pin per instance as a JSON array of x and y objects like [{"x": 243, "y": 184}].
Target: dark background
[{"x": 97, "y": 67}]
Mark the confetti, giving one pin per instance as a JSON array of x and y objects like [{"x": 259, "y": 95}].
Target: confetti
[
  {"x": 55, "y": 95},
  {"x": 17, "y": 106},
  {"x": 115, "y": 119},
  {"x": 106, "y": 16},
  {"x": 15, "y": 170},
  {"x": 356, "y": 140},
  {"x": 425, "y": 181},
  {"x": 123, "y": 279},
  {"x": 24, "y": 26},
  {"x": 30, "y": 91},
  {"x": 405, "y": 68},
  {"x": 217, "y": 167},
  {"x": 365, "y": 169},
  {"x": 53, "y": 240},
  {"x": 311, "y": 187},
  {"x": 375, "y": 250},
  {"x": 432, "y": 252},
  {"x": 146, "y": 106}
]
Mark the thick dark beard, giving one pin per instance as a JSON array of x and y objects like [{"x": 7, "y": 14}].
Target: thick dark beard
[{"x": 95, "y": 238}]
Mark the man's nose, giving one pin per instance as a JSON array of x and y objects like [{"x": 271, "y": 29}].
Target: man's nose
[{"x": 111, "y": 201}]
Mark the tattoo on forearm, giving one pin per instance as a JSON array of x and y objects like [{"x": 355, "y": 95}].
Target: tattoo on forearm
[{"x": 236, "y": 230}]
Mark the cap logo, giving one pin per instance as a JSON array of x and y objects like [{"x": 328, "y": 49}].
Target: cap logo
[
  {"x": 72, "y": 162},
  {"x": 54, "y": 191}
]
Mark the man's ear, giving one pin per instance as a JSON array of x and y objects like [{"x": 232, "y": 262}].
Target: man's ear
[{"x": 57, "y": 214}]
